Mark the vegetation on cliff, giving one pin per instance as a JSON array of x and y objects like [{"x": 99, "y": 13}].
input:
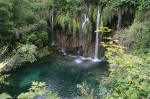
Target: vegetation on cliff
[{"x": 25, "y": 27}]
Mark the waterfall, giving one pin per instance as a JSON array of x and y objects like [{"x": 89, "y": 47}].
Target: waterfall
[
  {"x": 119, "y": 22},
  {"x": 81, "y": 35},
  {"x": 86, "y": 19},
  {"x": 63, "y": 41},
  {"x": 52, "y": 26},
  {"x": 97, "y": 37},
  {"x": 63, "y": 50},
  {"x": 90, "y": 30}
]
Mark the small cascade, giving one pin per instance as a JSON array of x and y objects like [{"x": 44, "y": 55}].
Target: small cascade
[
  {"x": 63, "y": 41},
  {"x": 63, "y": 49},
  {"x": 86, "y": 19},
  {"x": 82, "y": 32},
  {"x": 82, "y": 59},
  {"x": 52, "y": 26},
  {"x": 119, "y": 22},
  {"x": 97, "y": 36},
  {"x": 80, "y": 47}
]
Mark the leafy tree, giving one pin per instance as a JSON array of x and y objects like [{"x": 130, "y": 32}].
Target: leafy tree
[
  {"x": 23, "y": 54},
  {"x": 6, "y": 23},
  {"x": 136, "y": 36},
  {"x": 125, "y": 79}
]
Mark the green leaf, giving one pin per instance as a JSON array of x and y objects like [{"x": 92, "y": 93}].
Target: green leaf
[
  {"x": 4, "y": 96},
  {"x": 52, "y": 96},
  {"x": 41, "y": 84},
  {"x": 41, "y": 91},
  {"x": 35, "y": 83},
  {"x": 28, "y": 95}
]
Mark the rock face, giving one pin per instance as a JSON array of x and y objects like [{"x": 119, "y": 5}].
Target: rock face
[{"x": 78, "y": 35}]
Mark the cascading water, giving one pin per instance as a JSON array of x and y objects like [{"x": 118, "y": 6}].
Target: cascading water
[
  {"x": 87, "y": 22},
  {"x": 52, "y": 26},
  {"x": 97, "y": 36},
  {"x": 119, "y": 22},
  {"x": 63, "y": 49},
  {"x": 63, "y": 43},
  {"x": 86, "y": 19},
  {"x": 80, "y": 48}
]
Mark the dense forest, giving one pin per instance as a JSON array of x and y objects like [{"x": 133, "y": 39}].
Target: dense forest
[{"x": 118, "y": 30}]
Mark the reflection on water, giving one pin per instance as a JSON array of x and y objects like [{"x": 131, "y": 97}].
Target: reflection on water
[{"x": 61, "y": 74}]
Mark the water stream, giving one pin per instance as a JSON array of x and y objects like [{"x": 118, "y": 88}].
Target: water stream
[
  {"x": 86, "y": 19},
  {"x": 52, "y": 26},
  {"x": 97, "y": 36},
  {"x": 63, "y": 42},
  {"x": 61, "y": 74},
  {"x": 119, "y": 22}
]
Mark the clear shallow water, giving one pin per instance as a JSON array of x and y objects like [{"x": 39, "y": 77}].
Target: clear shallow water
[{"x": 61, "y": 74}]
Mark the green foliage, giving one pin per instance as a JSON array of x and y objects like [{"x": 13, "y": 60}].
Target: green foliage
[
  {"x": 6, "y": 34},
  {"x": 144, "y": 4},
  {"x": 52, "y": 96},
  {"x": 136, "y": 36},
  {"x": 3, "y": 51},
  {"x": 108, "y": 13},
  {"x": 125, "y": 79},
  {"x": 37, "y": 89},
  {"x": 103, "y": 29},
  {"x": 35, "y": 37},
  {"x": 94, "y": 15},
  {"x": 143, "y": 15},
  {"x": 3, "y": 81},
  {"x": 76, "y": 25},
  {"x": 24, "y": 53},
  {"x": 85, "y": 91},
  {"x": 5, "y": 96}
]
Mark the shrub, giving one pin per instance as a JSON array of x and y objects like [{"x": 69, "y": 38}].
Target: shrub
[
  {"x": 129, "y": 77},
  {"x": 135, "y": 37}
]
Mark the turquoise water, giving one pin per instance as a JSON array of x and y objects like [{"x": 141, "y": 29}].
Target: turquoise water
[{"x": 61, "y": 74}]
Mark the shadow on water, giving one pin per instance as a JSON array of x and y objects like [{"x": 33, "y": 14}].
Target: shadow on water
[{"x": 61, "y": 74}]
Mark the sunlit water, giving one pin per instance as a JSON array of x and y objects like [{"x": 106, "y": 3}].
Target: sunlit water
[{"x": 61, "y": 74}]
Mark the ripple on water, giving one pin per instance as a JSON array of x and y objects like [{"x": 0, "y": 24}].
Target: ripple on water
[{"x": 60, "y": 74}]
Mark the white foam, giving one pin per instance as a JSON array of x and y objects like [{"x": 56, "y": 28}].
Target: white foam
[
  {"x": 96, "y": 60},
  {"x": 53, "y": 43},
  {"x": 86, "y": 58},
  {"x": 81, "y": 59},
  {"x": 64, "y": 53},
  {"x": 78, "y": 61},
  {"x": 72, "y": 56}
]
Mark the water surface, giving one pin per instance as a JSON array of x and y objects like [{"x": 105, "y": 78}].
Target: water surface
[{"x": 61, "y": 74}]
